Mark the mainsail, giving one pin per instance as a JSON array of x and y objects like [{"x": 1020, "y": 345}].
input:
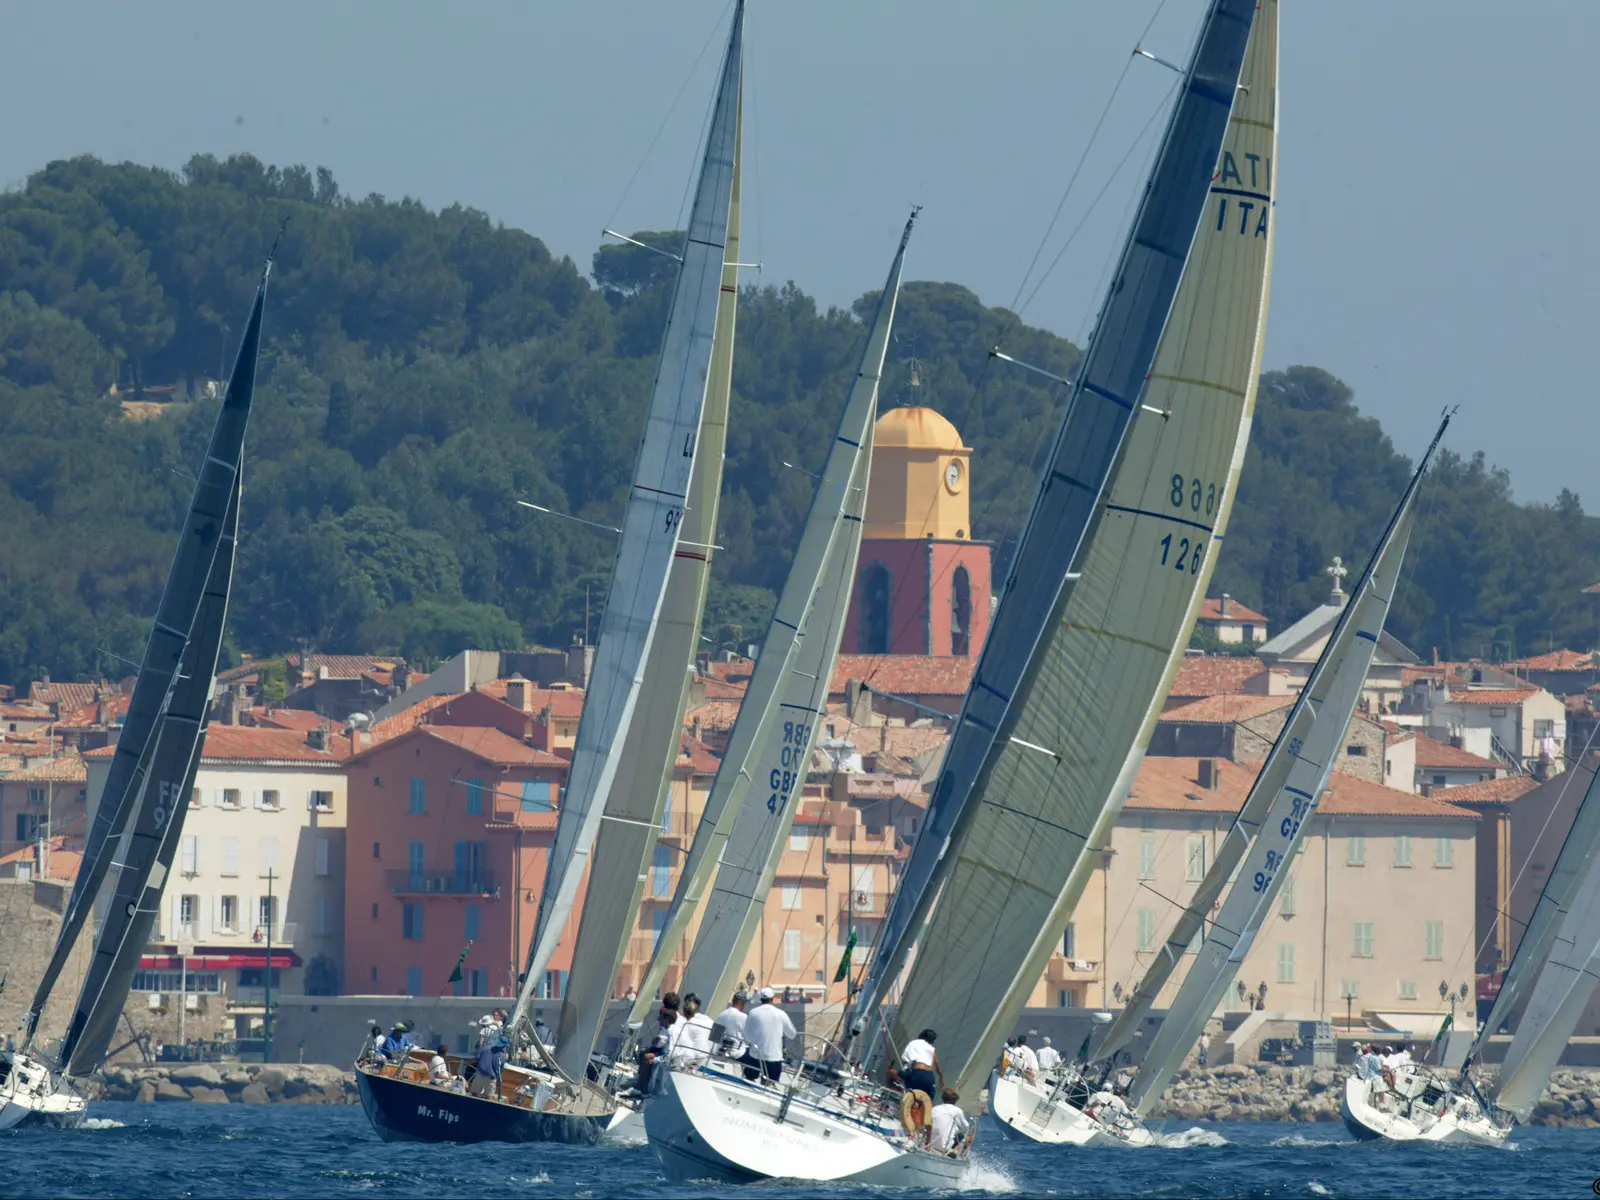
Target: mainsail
[
  {"x": 650, "y": 526},
  {"x": 198, "y": 547},
  {"x": 770, "y": 746},
  {"x": 638, "y": 796},
  {"x": 1293, "y": 777},
  {"x": 1110, "y": 570}
]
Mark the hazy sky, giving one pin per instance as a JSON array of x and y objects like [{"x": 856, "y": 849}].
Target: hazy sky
[{"x": 1437, "y": 158}]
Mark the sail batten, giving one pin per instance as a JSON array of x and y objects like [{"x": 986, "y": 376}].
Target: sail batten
[{"x": 651, "y": 525}]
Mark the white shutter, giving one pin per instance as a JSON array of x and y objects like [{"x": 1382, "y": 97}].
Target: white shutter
[
  {"x": 310, "y": 802},
  {"x": 322, "y": 856},
  {"x": 216, "y": 797},
  {"x": 269, "y": 855},
  {"x": 174, "y": 902},
  {"x": 191, "y": 854},
  {"x": 255, "y": 797},
  {"x": 230, "y": 856},
  {"x": 197, "y": 798},
  {"x": 202, "y": 918},
  {"x": 216, "y": 914}
]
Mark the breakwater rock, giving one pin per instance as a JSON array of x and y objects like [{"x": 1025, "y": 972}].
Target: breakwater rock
[
  {"x": 232, "y": 1083},
  {"x": 1258, "y": 1092}
]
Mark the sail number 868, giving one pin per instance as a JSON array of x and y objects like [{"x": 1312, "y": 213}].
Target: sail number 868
[{"x": 1193, "y": 495}]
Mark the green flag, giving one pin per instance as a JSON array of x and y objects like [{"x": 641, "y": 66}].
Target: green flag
[
  {"x": 455, "y": 976},
  {"x": 1438, "y": 1042},
  {"x": 843, "y": 972},
  {"x": 1083, "y": 1050}
]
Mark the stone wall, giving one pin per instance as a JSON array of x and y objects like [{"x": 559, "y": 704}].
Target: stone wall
[
  {"x": 232, "y": 1083},
  {"x": 30, "y": 916}
]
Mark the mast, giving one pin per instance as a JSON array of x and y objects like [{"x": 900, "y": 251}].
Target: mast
[
  {"x": 181, "y": 599},
  {"x": 650, "y": 524},
  {"x": 1107, "y": 576},
  {"x": 1295, "y": 776},
  {"x": 639, "y": 797},
  {"x": 777, "y": 727}
]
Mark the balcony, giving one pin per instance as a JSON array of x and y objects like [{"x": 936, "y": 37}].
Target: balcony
[
  {"x": 440, "y": 883},
  {"x": 1072, "y": 970},
  {"x": 863, "y": 904}
]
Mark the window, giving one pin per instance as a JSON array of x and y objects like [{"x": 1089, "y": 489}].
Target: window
[
  {"x": 374, "y": 974},
  {"x": 188, "y": 913},
  {"x": 474, "y": 923},
  {"x": 1195, "y": 860},
  {"x": 555, "y": 985},
  {"x": 799, "y": 839},
  {"x": 230, "y": 856},
  {"x": 411, "y": 922},
  {"x": 254, "y": 977},
  {"x": 413, "y": 981},
  {"x": 197, "y": 798},
  {"x": 271, "y": 800},
  {"x": 474, "y": 797},
  {"x": 1355, "y": 851},
  {"x": 1349, "y": 989},
  {"x": 1067, "y": 998},
  {"x": 961, "y": 613},
  {"x": 1402, "y": 850},
  {"x": 228, "y": 914},
  {"x": 190, "y": 854},
  {"x": 322, "y": 856},
  {"x": 791, "y": 896},
  {"x": 230, "y": 798},
  {"x": 1147, "y": 930},
  {"x": 268, "y": 851},
  {"x": 865, "y": 890},
  {"x": 1147, "y": 856},
  {"x": 666, "y": 812},
  {"x": 468, "y": 866},
  {"x": 321, "y": 801},
  {"x": 171, "y": 981},
  {"x": 1444, "y": 852},
  {"x": 374, "y": 910},
  {"x": 29, "y": 826},
  {"x": 477, "y": 981},
  {"x": 267, "y": 913},
  {"x": 416, "y": 862},
  {"x": 36, "y": 797},
  {"x": 1543, "y": 729},
  {"x": 536, "y": 795},
  {"x": 658, "y": 926},
  {"x": 872, "y": 628},
  {"x": 1289, "y": 897},
  {"x": 419, "y": 796},
  {"x": 1439, "y": 780},
  {"x": 1408, "y": 989},
  {"x": 1285, "y": 962},
  {"x": 661, "y": 873},
  {"x": 323, "y": 917},
  {"x": 377, "y": 849},
  {"x": 1355, "y": 750},
  {"x": 1362, "y": 939},
  {"x": 1069, "y": 941},
  {"x": 1433, "y": 940},
  {"x": 791, "y": 949}
]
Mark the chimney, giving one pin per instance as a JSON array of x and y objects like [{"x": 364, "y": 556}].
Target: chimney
[
  {"x": 1207, "y": 775},
  {"x": 402, "y": 677},
  {"x": 517, "y": 693},
  {"x": 1222, "y": 605},
  {"x": 1426, "y": 789},
  {"x": 317, "y": 738}
]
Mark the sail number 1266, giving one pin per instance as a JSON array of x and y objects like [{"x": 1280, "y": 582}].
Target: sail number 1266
[{"x": 1184, "y": 553}]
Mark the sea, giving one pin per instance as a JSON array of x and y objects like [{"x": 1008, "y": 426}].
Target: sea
[{"x": 237, "y": 1150}]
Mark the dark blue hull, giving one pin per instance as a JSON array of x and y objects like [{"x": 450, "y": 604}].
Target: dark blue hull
[{"x": 402, "y": 1110}]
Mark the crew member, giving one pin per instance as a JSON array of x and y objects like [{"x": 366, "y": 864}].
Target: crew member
[
  {"x": 732, "y": 1020},
  {"x": 920, "y": 1067},
  {"x": 765, "y": 1029},
  {"x": 1049, "y": 1057},
  {"x": 952, "y": 1129},
  {"x": 692, "y": 1046}
]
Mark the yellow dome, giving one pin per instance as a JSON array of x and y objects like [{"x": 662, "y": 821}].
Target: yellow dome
[{"x": 921, "y": 428}]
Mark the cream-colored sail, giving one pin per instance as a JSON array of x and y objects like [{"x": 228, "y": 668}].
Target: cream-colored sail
[
  {"x": 1051, "y": 790},
  {"x": 629, "y": 831}
]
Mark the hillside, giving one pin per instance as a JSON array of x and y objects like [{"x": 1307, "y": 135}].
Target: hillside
[{"x": 424, "y": 370}]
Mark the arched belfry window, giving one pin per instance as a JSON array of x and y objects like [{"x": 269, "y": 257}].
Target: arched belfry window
[
  {"x": 872, "y": 633},
  {"x": 961, "y": 613}
]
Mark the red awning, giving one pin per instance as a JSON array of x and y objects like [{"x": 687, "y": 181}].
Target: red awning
[{"x": 219, "y": 962}]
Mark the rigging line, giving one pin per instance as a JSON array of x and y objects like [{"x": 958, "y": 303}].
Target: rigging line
[{"x": 665, "y": 117}]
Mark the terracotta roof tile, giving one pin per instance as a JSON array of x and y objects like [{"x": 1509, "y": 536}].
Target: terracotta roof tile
[
  {"x": 1433, "y": 753},
  {"x": 717, "y": 714},
  {"x": 493, "y": 746},
  {"x": 343, "y": 666},
  {"x": 24, "y": 712},
  {"x": 66, "y": 695},
  {"x": 1492, "y": 695},
  {"x": 300, "y": 719},
  {"x": 905, "y": 674},
  {"x": 66, "y": 769},
  {"x": 1213, "y": 675},
  {"x": 1556, "y": 660},
  {"x": 698, "y": 755},
  {"x": 564, "y": 702},
  {"x": 1211, "y": 610},
  {"x": 1172, "y": 785},
  {"x": 719, "y": 689},
  {"x": 1226, "y": 709},
  {"x": 244, "y": 743},
  {"x": 1488, "y": 791}
]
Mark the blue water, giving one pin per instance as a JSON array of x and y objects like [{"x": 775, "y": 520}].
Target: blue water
[{"x": 206, "y": 1150}]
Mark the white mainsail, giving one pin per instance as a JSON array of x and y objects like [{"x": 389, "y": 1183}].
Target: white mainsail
[
  {"x": 1085, "y": 644},
  {"x": 1294, "y": 777},
  {"x": 638, "y": 797},
  {"x": 650, "y": 525},
  {"x": 770, "y": 743},
  {"x": 782, "y": 727}
]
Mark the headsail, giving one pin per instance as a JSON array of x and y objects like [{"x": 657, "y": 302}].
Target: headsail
[
  {"x": 638, "y": 797},
  {"x": 1113, "y": 563},
  {"x": 169, "y": 636},
  {"x": 1294, "y": 777},
  {"x": 778, "y": 724},
  {"x": 650, "y": 526}
]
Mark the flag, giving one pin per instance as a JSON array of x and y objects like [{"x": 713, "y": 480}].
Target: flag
[
  {"x": 843, "y": 972},
  {"x": 455, "y": 976},
  {"x": 1438, "y": 1042},
  {"x": 1083, "y": 1050},
  {"x": 3, "y": 977}
]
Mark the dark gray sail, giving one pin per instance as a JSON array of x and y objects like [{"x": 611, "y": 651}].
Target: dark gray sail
[{"x": 198, "y": 546}]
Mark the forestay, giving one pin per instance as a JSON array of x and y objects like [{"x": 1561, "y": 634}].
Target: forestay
[
  {"x": 175, "y": 617},
  {"x": 650, "y": 526},
  {"x": 775, "y": 739},
  {"x": 638, "y": 799},
  {"x": 1092, "y": 658},
  {"x": 1294, "y": 776}
]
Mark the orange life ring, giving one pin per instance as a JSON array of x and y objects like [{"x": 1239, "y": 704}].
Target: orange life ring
[{"x": 916, "y": 1108}]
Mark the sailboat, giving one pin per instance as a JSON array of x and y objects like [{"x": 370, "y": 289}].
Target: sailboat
[
  {"x": 1554, "y": 967},
  {"x": 1107, "y": 578},
  {"x": 141, "y": 810},
  {"x": 704, "y": 1119},
  {"x": 1078, "y": 1106},
  {"x": 628, "y": 737}
]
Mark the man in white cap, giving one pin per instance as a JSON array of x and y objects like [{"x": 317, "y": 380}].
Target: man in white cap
[
  {"x": 1049, "y": 1057},
  {"x": 765, "y": 1029}
]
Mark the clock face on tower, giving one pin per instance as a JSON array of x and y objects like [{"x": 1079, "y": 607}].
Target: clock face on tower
[{"x": 952, "y": 476}]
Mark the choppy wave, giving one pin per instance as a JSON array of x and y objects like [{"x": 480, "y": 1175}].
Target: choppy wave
[
  {"x": 101, "y": 1123},
  {"x": 1189, "y": 1138},
  {"x": 1301, "y": 1140},
  {"x": 1316, "y": 1188},
  {"x": 983, "y": 1176}
]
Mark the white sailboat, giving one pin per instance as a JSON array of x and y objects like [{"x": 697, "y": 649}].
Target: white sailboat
[
  {"x": 1108, "y": 575},
  {"x": 704, "y": 1118},
  {"x": 628, "y": 737},
  {"x": 140, "y": 816}
]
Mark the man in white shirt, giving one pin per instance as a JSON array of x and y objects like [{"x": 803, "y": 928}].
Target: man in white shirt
[
  {"x": 1049, "y": 1057},
  {"x": 952, "y": 1128},
  {"x": 691, "y": 1047},
  {"x": 438, "y": 1068},
  {"x": 1023, "y": 1059},
  {"x": 765, "y": 1028},
  {"x": 732, "y": 1020},
  {"x": 919, "y": 1064}
]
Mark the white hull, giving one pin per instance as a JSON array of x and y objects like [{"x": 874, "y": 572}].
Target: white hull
[
  {"x": 1017, "y": 1105},
  {"x": 626, "y": 1127},
  {"x": 32, "y": 1095},
  {"x": 1373, "y": 1112},
  {"x": 711, "y": 1124}
]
